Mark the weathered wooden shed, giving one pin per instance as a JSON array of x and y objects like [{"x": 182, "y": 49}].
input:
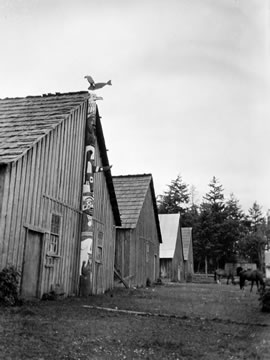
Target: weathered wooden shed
[
  {"x": 139, "y": 237},
  {"x": 188, "y": 251},
  {"x": 171, "y": 249},
  {"x": 267, "y": 264},
  {"x": 42, "y": 160}
]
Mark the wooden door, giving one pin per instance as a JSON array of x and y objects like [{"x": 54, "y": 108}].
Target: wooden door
[{"x": 31, "y": 264}]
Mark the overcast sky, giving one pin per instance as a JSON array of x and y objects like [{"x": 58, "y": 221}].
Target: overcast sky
[{"x": 190, "y": 79}]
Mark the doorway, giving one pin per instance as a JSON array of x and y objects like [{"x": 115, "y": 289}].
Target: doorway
[{"x": 31, "y": 264}]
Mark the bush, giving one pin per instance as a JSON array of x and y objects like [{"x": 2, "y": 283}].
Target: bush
[
  {"x": 265, "y": 300},
  {"x": 9, "y": 283}
]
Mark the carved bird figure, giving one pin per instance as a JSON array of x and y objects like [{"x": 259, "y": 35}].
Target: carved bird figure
[{"x": 96, "y": 86}]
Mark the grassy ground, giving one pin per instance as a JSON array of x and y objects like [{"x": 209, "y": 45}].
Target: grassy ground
[{"x": 184, "y": 321}]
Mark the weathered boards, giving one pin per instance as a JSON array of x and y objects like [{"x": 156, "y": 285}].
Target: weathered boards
[
  {"x": 188, "y": 251},
  {"x": 41, "y": 174},
  {"x": 139, "y": 237},
  {"x": 171, "y": 249}
]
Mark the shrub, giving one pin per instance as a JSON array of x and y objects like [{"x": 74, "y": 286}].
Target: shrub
[{"x": 9, "y": 283}]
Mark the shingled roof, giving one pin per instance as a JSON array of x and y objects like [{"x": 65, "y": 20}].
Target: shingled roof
[
  {"x": 130, "y": 193},
  {"x": 24, "y": 121},
  {"x": 187, "y": 241}
]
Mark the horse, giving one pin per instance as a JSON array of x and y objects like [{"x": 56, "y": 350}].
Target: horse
[
  {"x": 221, "y": 273},
  {"x": 253, "y": 276}
]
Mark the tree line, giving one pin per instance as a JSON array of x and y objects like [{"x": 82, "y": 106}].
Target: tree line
[{"x": 222, "y": 232}]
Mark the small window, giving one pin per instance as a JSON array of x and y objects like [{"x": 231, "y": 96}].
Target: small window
[{"x": 55, "y": 234}]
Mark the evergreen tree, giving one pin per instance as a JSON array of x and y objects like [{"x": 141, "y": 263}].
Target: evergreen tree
[
  {"x": 233, "y": 228},
  {"x": 255, "y": 241},
  {"x": 175, "y": 199},
  {"x": 213, "y": 205}
]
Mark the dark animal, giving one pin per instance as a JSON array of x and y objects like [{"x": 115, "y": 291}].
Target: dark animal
[
  {"x": 221, "y": 273},
  {"x": 253, "y": 276}
]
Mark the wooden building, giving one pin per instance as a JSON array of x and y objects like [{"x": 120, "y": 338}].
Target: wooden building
[
  {"x": 267, "y": 264},
  {"x": 188, "y": 251},
  {"x": 171, "y": 249},
  {"x": 42, "y": 159},
  {"x": 139, "y": 237}
]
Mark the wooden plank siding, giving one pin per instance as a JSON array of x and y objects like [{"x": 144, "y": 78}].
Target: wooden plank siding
[
  {"x": 103, "y": 215},
  {"x": 44, "y": 180},
  {"x": 171, "y": 249},
  {"x": 146, "y": 240},
  {"x": 188, "y": 251},
  {"x": 178, "y": 272},
  {"x": 138, "y": 240}
]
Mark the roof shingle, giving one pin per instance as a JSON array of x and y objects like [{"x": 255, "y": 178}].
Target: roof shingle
[
  {"x": 130, "y": 193},
  {"x": 24, "y": 121}
]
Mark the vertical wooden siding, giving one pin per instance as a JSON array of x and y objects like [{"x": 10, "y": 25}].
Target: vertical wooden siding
[
  {"x": 47, "y": 179},
  {"x": 103, "y": 273},
  {"x": 143, "y": 236},
  {"x": 178, "y": 259}
]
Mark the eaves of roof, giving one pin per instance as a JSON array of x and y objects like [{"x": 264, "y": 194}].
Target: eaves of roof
[
  {"x": 108, "y": 174},
  {"x": 25, "y": 121}
]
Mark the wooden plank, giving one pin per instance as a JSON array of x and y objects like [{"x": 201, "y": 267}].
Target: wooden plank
[
  {"x": 78, "y": 253},
  {"x": 15, "y": 217},
  {"x": 80, "y": 154},
  {"x": 4, "y": 213},
  {"x": 79, "y": 157},
  {"x": 45, "y": 202},
  {"x": 32, "y": 180},
  {"x": 67, "y": 164},
  {"x": 72, "y": 137},
  {"x": 26, "y": 168},
  {"x": 62, "y": 203},
  {"x": 47, "y": 205},
  {"x": 120, "y": 278},
  {"x": 18, "y": 247},
  {"x": 81, "y": 149},
  {"x": 36, "y": 228},
  {"x": 54, "y": 157},
  {"x": 41, "y": 175},
  {"x": 60, "y": 164},
  {"x": 9, "y": 215},
  {"x": 36, "y": 184},
  {"x": 63, "y": 161},
  {"x": 66, "y": 259}
]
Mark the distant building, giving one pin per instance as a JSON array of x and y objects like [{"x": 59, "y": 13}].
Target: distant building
[
  {"x": 267, "y": 264},
  {"x": 188, "y": 251},
  {"x": 139, "y": 237},
  {"x": 171, "y": 249}
]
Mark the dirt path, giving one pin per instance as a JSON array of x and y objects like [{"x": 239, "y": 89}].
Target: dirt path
[{"x": 185, "y": 321}]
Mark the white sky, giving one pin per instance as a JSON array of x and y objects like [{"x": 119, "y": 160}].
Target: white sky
[{"x": 190, "y": 82}]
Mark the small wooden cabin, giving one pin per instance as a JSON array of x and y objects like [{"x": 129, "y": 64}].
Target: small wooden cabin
[
  {"x": 267, "y": 264},
  {"x": 188, "y": 251},
  {"x": 42, "y": 159},
  {"x": 139, "y": 237},
  {"x": 171, "y": 249}
]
